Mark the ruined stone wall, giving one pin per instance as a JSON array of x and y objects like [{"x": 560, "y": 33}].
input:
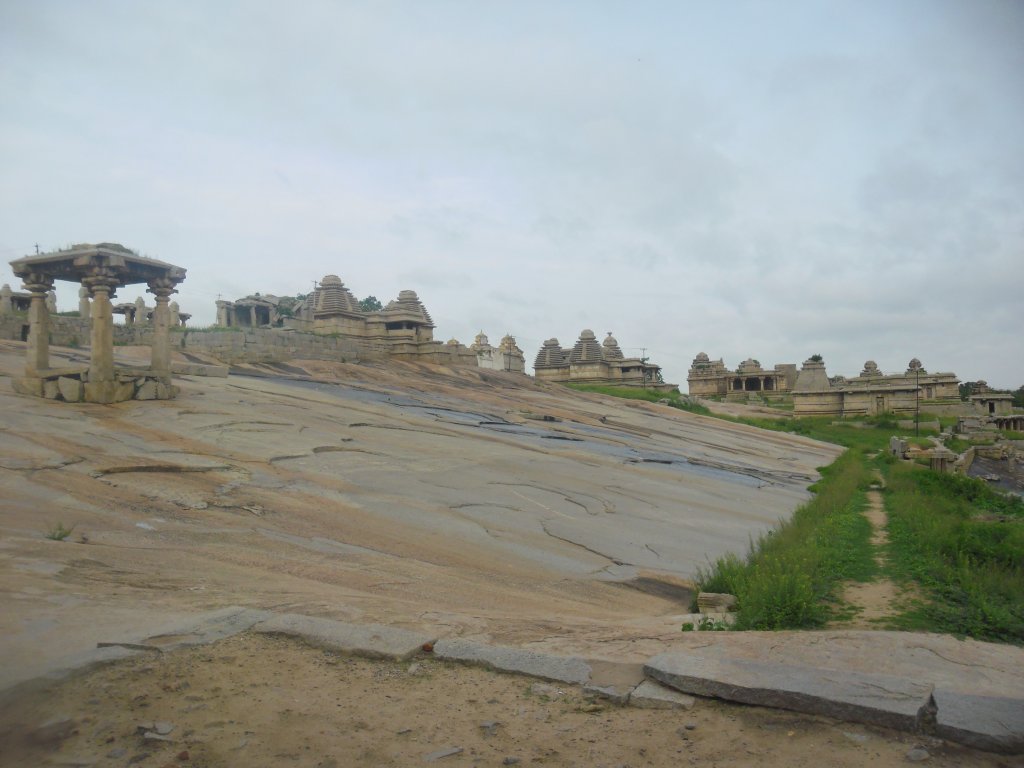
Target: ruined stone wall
[
  {"x": 249, "y": 345},
  {"x": 64, "y": 331},
  {"x": 268, "y": 345},
  {"x": 818, "y": 403}
]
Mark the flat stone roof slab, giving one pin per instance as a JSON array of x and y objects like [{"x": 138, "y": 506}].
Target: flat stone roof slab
[{"x": 370, "y": 640}]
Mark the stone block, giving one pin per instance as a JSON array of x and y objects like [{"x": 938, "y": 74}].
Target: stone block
[
  {"x": 51, "y": 391},
  {"x": 29, "y": 385},
  {"x": 991, "y": 723},
  {"x": 613, "y": 680},
  {"x": 147, "y": 391},
  {"x": 565, "y": 669},
  {"x": 70, "y": 389},
  {"x": 370, "y": 640},
  {"x": 109, "y": 391},
  {"x": 715, "y": 602},
  {"x": 891, "y": 702},
  {"x": 652, "y": 695}
]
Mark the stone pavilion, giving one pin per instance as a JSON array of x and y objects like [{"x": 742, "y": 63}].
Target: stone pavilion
[{"x": 101, "y": 270}]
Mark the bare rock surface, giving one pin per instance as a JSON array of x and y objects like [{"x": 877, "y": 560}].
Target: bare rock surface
[
  {"x": 409, "y": 495},
  {"x": 429, "y": 500}
]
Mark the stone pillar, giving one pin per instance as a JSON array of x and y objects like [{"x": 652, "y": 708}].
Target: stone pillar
[
  {"x": 175, "y": 320},
  {"x": 140, "y": 310},
  {"x": 51, "y": 301},
  {"x": 83, "y": 303},
  {"x": 223, "y": 316},
  {"x": 161, "y": 288},
  {"x": 6, "y": 307},
  {"x": 38, "y": 359},
  {"x": 101, "y": 354}
]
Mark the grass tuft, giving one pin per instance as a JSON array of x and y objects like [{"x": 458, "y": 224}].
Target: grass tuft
[{"x": 59, "y": 532}]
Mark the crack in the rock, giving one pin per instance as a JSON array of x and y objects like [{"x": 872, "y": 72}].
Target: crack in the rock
[{"x": 544, "y": 526}]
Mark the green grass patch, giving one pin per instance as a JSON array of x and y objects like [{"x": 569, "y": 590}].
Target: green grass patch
[
  {"x": 639, "y": 393},
  {"x": 962, "y": 544},
  {"x": 957, "y": 444},
  {"x": 791, "y": 576}
]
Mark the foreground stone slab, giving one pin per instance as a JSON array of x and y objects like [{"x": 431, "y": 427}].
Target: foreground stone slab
[
  {"x": 370, "y": 640},
  {"x": 208, "y": 628},
  {"x": 891, "y": 702},
  {"x": 652, "y": 695},
  {"x": 197, "y": 630},
  {"x": 992, "y": 723},
  {"x": 564, "y": 669},
  {"x": 613, "y": 680}
]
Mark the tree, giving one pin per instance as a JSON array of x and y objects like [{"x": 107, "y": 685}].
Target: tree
[
  {"x": 371, "y": 304},
  {"x": 817, "y": 358},
  {"x": 1018, "y": 397}
]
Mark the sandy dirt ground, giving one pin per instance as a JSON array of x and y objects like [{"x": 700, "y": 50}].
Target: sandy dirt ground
[{"x": 263, "y": 701}]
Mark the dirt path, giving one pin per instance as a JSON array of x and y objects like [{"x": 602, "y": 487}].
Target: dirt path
[{"x": 875, "y": 601}]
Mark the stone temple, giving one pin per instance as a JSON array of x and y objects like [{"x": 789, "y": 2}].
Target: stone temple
[
  {"x": 873, "y": 392},
  {"x": 402, "y": 330},
  {"x": 507, "y": 356},
  {"x": 710, "y": 378},
  {"x": 594, "y": 362}
]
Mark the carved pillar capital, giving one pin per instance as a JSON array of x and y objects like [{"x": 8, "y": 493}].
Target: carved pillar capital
[
  {"x": 162, "y": 287},
  {"x": 102, "y": 281},
  {"x": 38, "y": 283}
]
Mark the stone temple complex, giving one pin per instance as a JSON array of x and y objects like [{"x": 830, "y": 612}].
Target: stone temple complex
[
  {"x": 507, "y": 356},
  {"x": 594, "y": 362},
  {"x": 402, "y": 330},
  {"x": 101, "y": 270},
  {"x": 710, "y": 378},
  {"x": 873, "y": 392}
]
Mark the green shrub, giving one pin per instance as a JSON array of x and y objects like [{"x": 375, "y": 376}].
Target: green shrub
[{"x": 59, "y": 532}]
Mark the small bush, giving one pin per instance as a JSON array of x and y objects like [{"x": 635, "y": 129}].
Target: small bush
[{"x": 59, "y": 532}]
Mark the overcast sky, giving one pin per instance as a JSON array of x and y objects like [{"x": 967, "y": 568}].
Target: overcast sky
[{"x": 746, "y": 179}]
